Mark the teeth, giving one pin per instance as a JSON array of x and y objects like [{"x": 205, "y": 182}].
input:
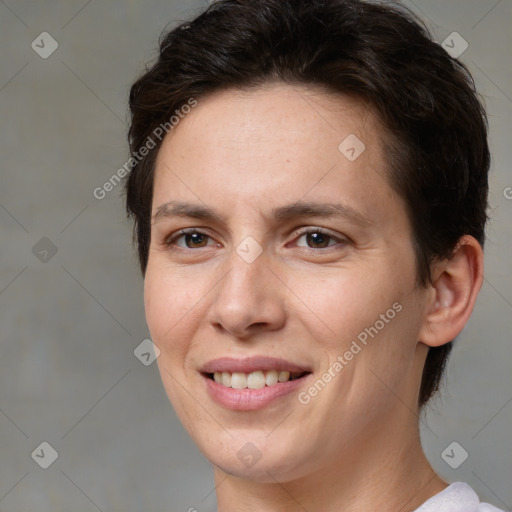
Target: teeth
[
  {"x": 226, "y": 379},
  {"x": 284, "y": 376},
  {"x": 238, "y": 380},
  {"x": 253, "y": 380},
  {"x": 271, "y": 377},
  {"x": 256, "y": 380}
]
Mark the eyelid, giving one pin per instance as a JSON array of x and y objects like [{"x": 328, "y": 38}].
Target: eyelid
[
  {"x": 297, "y": 233},
  {"x": 169, "y": 240},
  {"x": 317, "y": 229}
]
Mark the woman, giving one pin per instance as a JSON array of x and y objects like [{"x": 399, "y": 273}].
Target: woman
[{"x": 309, "y": 191}]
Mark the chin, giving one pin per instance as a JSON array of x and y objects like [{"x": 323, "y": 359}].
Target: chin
[{"x": 252, "y": 456}]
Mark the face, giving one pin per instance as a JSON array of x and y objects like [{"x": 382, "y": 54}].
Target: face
[{"x": 286, "y": 313}]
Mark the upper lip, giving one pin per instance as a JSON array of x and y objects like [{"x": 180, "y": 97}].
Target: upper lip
[{"x": 251, "y": 364}]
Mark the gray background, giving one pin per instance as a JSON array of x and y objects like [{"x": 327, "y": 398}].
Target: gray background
[{"x": 68, "y": 374}]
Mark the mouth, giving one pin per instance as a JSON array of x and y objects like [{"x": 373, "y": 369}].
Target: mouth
[
  {"x": 254, "y": 380},
  {"x": 252, "y": 383}
]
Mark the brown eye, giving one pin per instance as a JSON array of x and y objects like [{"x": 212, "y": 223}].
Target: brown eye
[
  {"x": 195, "y": 240},
  {"x": 189, "y": 239},
  {"x": 318, "y": 239}
]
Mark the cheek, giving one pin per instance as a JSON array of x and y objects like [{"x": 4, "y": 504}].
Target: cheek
[
  {"x": 170, "y": 311},
  {"x": 170, "y": 304},
  {"x": 365, "y": 317},
  {"x": 340, "y": 304}
]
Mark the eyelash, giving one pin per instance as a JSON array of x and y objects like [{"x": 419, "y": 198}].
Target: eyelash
[{"x": 170, "y": 241}]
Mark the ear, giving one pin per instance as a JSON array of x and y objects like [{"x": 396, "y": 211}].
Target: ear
[{"x": 453, "y": 293}]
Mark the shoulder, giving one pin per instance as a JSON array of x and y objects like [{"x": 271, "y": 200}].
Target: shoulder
[
  {"x": 457, "y": 497},
  {"x": 485, "y": 507}
]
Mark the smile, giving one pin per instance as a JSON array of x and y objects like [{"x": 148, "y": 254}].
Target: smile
[
  {"x": 254, "y": 380},
  {"x": 252, "y": 383}
]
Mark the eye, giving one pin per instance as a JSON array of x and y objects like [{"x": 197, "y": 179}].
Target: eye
[
  {"x": 318, "y": 238},
  {"x": 192, "y": 239}
]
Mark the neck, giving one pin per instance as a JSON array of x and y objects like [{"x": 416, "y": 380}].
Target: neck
[{"x": 384, "y": 469}]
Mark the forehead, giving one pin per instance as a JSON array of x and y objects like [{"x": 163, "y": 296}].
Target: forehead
[
  {"x": 278, "y": 143},
  {"x": 279, "y": 114}
]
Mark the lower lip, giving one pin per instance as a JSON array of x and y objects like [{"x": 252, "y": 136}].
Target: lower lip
[{"x": 250, "y": 399}]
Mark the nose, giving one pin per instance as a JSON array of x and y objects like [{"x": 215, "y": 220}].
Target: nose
[{"x": 248, "y": 299}]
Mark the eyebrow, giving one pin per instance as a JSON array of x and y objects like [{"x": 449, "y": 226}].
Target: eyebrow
[{"x": 280, "y": 214}]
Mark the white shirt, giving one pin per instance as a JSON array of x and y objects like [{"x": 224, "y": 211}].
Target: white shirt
[{"x": 457, "y": 497}]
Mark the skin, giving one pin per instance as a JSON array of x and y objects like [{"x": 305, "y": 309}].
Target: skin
[{"x": 355, "y": 445}]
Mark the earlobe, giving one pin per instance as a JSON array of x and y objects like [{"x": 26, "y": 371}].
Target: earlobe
[{"x": 456, "y": 284}]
